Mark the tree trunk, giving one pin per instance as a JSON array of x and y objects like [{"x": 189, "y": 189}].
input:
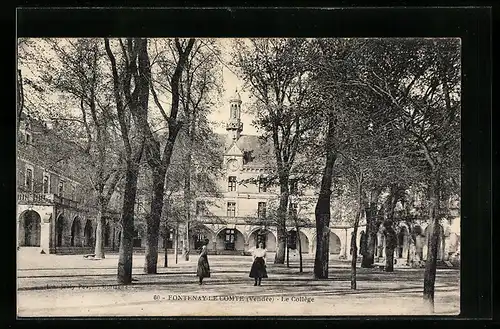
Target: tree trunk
[
  {"x": 300, "y": 249},
  {"x": 187, "y": 202},
  {"x": 354, "y": 256},
  {"x": 287, "y": 256},
  {"x": 390, "y": 246},
  {"x": 389, "y": 259},
  {"x": 354, "y": 246},
  {"x": 99, "y": 234},
  {"x": 176, "y": 250},
  {"x": 390, "y": 236},
  {"x": 167, "y": 235},
  {"x": 127, "y": 236},
  {"x": 322, "y": 210},
  {"x": 153, "y": 221},
  {"x": 371, "y": 236},
  {"x": 432, "y": 246},
  {"x": 281, "y": 224}
]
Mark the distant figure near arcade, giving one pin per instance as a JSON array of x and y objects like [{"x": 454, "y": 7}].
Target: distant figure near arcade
[
  {"x": 203, "y": 270},
  {"x": 258, "y": 270}
]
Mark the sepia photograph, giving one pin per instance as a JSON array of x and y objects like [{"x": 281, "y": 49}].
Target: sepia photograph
[{"x": 238, "y": 176}]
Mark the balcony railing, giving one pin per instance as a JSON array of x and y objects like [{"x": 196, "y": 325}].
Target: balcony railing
[{"x": 44, "y": 198}]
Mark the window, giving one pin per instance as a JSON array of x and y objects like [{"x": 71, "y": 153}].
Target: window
[
  {"x": 29, "y": 179},
  {"x": 46, "y": 183},
  {"x": 29, "y": 140},
  {"x": 262, "y": 184},
  {"x": 200, "y": 207},
  {"x": 60, "y": 189},
  {"x": 231, "y": 209},
  {"x": 261, "y": 210},
  {"x": 292, "y": 209},
  {"x": 247, "y": 156},
  {"x": 231, "y": 185},
  {"x": 293, "y": 186}
]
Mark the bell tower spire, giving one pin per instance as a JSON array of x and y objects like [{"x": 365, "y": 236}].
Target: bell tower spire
[{"x": 234, "y": 125}]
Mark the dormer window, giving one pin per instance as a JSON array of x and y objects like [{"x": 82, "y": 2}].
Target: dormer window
[{"x": 247, "y": 157}]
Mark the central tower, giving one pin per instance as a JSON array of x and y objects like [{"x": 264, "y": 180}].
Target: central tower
[{"x": 234, "y": 125}]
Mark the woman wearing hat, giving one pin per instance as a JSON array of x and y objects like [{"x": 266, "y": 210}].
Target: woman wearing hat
[{"x": 203, "y": 270}]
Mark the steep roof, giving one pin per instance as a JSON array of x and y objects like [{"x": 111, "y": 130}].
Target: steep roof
[{"x": 257, "y": 151}]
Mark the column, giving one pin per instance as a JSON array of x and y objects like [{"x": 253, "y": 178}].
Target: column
[
  {"x": 214, "y": 243},
  {"x": 45, "y": 237}
]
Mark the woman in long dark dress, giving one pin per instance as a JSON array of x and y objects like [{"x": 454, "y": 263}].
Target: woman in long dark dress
[
  {"x": 258, "y": 270},
  {"x": 203, "y": 270}
]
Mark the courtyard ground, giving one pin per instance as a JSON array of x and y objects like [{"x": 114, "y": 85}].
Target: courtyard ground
[{"x": 70, "y": 285}]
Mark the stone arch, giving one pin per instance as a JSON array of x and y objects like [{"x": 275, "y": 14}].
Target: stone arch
[
  {"x": 197, "y": 235},
  {"x": 304, "y": 242},
  {"x": 88, "y": 234},
  {"x": 30, "y": 229},
  {"x": 230, "y": 239},
  {"x": 76, "y": 233},
  {"x": 60, "y": 221},
  {"x": 334, "y": 245},
  {"x": 257, "y": 234}
]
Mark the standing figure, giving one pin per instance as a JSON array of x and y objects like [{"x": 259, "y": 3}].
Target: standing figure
[
  {"x": 258, "y": 270},
  {"x": 203, "y": 270}
]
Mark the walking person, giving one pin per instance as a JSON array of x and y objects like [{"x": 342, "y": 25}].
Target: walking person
[
  {"x": 203, "y": 270},
  {"x": 258, "y": 270}
]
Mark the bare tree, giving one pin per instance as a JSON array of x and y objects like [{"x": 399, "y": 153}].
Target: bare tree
[{"x": 127, "y": 100}]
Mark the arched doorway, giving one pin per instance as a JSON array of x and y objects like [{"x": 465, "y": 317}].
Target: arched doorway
[
  {"x": 230, "y": 239},
  {"x": 262, "y": 235},
  {"x": 198, "y": 234},
  {"x": 30, "y": 230},
  {"x": 76, "y": 230},
  {"x": 88, "y": 234},
  {"x": 334, "y": 244},
  {"x": 304, "y": 242},
  {"x": 59, "y": 231}
]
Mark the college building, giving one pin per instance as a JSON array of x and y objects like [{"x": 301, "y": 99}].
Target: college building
[{"x": 235, "y": 223}]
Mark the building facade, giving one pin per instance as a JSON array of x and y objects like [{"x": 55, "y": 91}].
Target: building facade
[
  {"x": 54, "y": 214},
  {"x": 54, "y": 211},
  {"x": 234, "y": 223}
]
